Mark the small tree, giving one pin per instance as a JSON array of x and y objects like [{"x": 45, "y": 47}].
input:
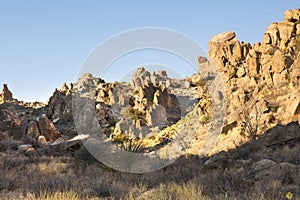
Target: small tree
[{"x": 249, "y": 118}]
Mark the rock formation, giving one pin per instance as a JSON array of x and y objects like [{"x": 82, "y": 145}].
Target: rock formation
[
  {"x": 42, "y": 126},
  {"x": 6, "y": 94},
  {"x": 10, "y": 123},
  {"x": 261, "y": 80}
]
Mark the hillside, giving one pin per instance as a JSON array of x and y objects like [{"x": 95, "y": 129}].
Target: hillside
[{"x": 170, "y": 134}]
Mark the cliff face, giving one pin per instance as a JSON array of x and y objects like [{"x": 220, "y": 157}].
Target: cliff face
[{"x": 261, "y": 80}]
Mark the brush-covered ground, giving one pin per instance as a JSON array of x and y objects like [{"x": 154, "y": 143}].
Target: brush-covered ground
[{"x": 228, "y": 175}]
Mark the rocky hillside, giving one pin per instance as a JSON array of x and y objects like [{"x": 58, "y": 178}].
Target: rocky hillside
[
  {"x": 261, "y": 80},
  {"x": 152, "y": 111},
  {"x": 261, "y": 83}
]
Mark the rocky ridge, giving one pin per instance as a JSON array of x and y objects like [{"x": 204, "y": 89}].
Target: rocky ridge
[{"x": 262, "y": 91}]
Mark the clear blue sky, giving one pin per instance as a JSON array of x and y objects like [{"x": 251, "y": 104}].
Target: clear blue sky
[{"x": 44, "y": 43}]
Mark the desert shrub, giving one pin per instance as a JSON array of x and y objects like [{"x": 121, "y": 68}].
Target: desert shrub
[
  {"x": 175, "y": 191},
  {"x": 49, "y": 195},
  {"x": 134, "y": 114}
]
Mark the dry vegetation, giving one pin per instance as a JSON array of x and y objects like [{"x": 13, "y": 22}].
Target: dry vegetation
[{"x": 76, "y": 175}]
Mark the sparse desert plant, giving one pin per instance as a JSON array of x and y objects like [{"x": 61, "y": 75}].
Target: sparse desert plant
[
  {"x": 48, "y": 195},
  {"x": 175, "y": 191},
  {"x": 249, "y": 118},
  {"x": 132, "y": 145}
]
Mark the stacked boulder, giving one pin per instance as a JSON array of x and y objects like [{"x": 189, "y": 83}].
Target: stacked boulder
[{"x": 262, "y": 80}]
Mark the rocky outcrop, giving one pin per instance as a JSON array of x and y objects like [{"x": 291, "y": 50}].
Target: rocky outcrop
[
  {"x": 282, "y": 134},
  {"x": 42, "y": 126},
  {"x": 148, "y": 97},
  {"x": 61, "y": 102},
  {"x": 143, "y": 77},
  {"x": 261, "y": 80},
  {"x": 6, "y": 94},
  {"x": 267, "y": 170},
  {"x": 10, "y": 124}
]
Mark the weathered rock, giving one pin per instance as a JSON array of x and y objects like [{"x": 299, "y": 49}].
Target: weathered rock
[
  {"x": 148, "y": 95},
  {"x": 264, "y": 169},
  {"x": 223, "y": 37},
  {"x": 47, "y": 128},
  {"x": 42, "y": 140},
  {"x": 292, "y": 15},
  {"x": 216, "y": 161},
  {"x": 280, "y": 134},
  {"x": 60, "y": 103},
  {"x": 30, "y": 151},
  {"x": 33, "y": 130},
  {"x": 279, "y": 62},
  {"x": 286, "y": 30},
  {"x": 157, "y": 116},
  {"x": 261, "y": 72},
  {"x": 73, "y": 143},
  {"x": 24, "y": 147},
  {"x": 6, "y": 94},
  {"x": 10, "y": 123}
]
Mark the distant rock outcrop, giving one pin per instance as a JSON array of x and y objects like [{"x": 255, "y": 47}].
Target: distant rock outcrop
[
  {"x": 6, "y": 94},
  {"x": 9, "y": 123},
  {"x": 61, "y": 102}
]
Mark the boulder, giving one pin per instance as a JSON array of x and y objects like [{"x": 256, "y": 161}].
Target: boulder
[
  {"x": 42, "y": 140},
  {"x": 216, "y": 161},
  {"x": 264, "y": 169},
  {"x": 24, "y": 147},
  {"x": 280, "y": 134},
  {"x": 47, "y": 128},
  {"x": 292, "y": 15},
  {"x": 30, "y": 151},
  {"x": 286, "y": 30},
  {"x": 33, "y": 130},
  {"x": 223, "y": 37},
  {"x": 157, "y": 116}
]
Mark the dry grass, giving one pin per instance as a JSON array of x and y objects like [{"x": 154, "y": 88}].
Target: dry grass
[
  {"x": 46, "y": 195},
  {"x": 61, "y": 176}
]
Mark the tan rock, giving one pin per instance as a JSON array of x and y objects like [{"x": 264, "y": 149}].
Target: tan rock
[
  {"x": 223, "y": 37},
  {"x": 253, "y": 66},
  {"x": 42, "y": 140},
  {"x": 219, "y": 48},
  {"x": 285, "y": 31},
  {"x": 30, "y": 151},
  {"x": 280, "y": 80},
  {"x": 6, "y": 94},
  {"x": 267, "y": 39},
  {"x": 292, "y": 15},
  {"x": 24, "y": 147},
  {"x": 157, "y": 116},
  {"x": 278, "y": 62},
  {"x": 240, "y": 72},
  {"x": 273, "y": 31},
  {"x": 298, "y": 29},
  {"x": 245, "y": 49}
]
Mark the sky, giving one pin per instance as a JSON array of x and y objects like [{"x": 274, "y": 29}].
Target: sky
[{"x": 45, "y": 43}]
